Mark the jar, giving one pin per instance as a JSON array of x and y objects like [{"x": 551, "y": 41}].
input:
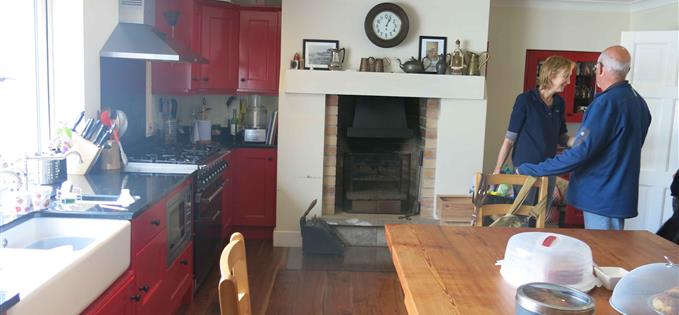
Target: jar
[{"x": 542, "y": 298}]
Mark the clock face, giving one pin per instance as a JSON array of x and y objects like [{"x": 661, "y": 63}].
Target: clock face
[{"x": 387, "y": 25}]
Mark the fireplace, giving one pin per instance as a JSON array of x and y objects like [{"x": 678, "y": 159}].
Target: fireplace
[{"x": 375, "y": 152}]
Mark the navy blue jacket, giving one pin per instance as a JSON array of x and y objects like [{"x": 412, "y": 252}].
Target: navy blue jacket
[
  {"x": 605, "y": 159},
  {"x": 538, "y": 128}
]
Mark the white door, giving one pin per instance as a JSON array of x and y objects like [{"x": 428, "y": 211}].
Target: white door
[{"x": 654, "y": 75}]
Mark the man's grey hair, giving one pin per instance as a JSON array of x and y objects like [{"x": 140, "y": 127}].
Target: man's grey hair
[{"x": 613, "y": 65}]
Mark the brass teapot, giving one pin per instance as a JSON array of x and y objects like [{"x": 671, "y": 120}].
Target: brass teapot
[{"x": 413, "y": 65}]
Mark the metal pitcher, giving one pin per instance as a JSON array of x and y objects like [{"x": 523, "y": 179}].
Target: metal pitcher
[
  {"x": 336, "y": 58},
  {"x": 476, "y": 62}
]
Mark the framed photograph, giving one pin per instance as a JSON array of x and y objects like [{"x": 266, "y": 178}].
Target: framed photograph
[
  {"x": 432, "y": 47},
  {"x": 315, "y": 53}
]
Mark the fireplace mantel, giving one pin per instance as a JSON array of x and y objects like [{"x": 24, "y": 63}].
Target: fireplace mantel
[{"x": 350, "y": 82}]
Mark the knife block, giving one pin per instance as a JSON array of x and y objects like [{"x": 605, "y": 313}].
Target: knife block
[{"x": 88, "y": 153}]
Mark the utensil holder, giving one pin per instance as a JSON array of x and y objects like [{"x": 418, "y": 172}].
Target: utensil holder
[
  {"x": 88, "y": 152},
  {"x": 110, "y": 158}
]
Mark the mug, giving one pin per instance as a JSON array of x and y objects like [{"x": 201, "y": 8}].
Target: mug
[
  {"x": 366, "y": 64},
  {"x": 378, "y": 64},
  {"x": 40, "y": 197},
  {"x": 17, "y": 203}
]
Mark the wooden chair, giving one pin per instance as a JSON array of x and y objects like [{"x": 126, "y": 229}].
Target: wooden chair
[
  {"x": 234, "y": 289},
  {"x": 501, "y": 209}
]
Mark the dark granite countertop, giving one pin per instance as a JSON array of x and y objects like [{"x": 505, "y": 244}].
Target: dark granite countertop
[
  {"x": 7, "y": 300},
  {"x": 149, "y": 187}
]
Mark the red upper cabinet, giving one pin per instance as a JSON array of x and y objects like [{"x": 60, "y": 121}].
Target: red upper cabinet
[
  {"x": 254, "y": 187},
  {"x": 174, "y": 77},
  {"x": 260, "y": 44},
  {"x": 580, "y": 92},
  {"x": 218, "y": 39}
]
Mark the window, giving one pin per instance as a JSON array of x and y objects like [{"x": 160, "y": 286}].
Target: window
[{"x": 24, "y": 110}]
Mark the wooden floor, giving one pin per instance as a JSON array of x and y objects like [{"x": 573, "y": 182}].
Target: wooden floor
[{"x": 283, "y": 281}]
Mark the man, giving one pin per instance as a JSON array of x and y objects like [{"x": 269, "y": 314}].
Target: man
[{"x": 605, "y": 157}]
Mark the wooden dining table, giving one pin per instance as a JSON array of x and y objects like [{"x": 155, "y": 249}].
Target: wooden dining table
[{"x": 451, "y": 269}]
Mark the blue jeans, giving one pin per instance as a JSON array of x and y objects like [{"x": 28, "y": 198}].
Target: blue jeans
[{"x": 599, "y": 222}]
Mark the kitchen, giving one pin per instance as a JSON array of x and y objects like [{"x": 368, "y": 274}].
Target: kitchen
[{"x": 301, "y": 143}]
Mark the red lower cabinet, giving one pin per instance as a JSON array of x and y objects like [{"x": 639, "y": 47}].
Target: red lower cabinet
[
  {"x": 178, "y": 282},
  {"x": 254, "y": 192},
  {"x": 120, "y": 299}
]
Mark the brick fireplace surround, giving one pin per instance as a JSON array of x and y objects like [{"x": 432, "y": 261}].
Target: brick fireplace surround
[{"x": 429, "y": 110}]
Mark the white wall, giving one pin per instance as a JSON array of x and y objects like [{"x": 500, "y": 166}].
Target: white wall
[
  {"x": 665, "y": 18},
  {"x": 514, "y": 30},
  {"x": 302, "y": 116},
  {"x": 100, "y": 18}
]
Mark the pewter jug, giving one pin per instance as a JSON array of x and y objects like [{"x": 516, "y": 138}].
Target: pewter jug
[
  {"x": 366, "y": 64},
  {"x": 336, "y": 58},
  {"x": 476, "y": 62}
]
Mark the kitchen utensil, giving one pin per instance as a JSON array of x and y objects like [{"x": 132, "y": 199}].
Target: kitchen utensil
[
  {"x": 366, "y": 64},
  {"x": 88, "y": 125},
  {"x": 40, "y": 197},
  {"x": 77, "y": 122},
  {"x": 610, "y": 276},
  {"x": 548, "y": 257},
  {"x": 103, "y": 137},
  {"x": 110, "y": 158},
  {"x": 457, "y": 61},
  {"x": 95, "y": 135},
  {"x": 649, "y": 289},
  {"x": 88, "y": 152},
  {"x": 548, "y": 298},
  {"x": 121, "y": 122},
  {"x": 336, "y": 58},
  {"x": 378, "y": 65},
  {"x": 476, "y": 62},
  {"x": 47, "y": 170},
  {"x": 413, "y": 65},
  {"x": 170, "y": 131}
]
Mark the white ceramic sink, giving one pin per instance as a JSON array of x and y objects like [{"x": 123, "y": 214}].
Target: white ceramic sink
[{"x": 53, "y": 260}]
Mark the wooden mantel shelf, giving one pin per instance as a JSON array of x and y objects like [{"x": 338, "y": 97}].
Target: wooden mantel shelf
[{"x": 351, "y": 82}]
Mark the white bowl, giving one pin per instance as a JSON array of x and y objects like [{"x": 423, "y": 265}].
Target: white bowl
[{"x": 610, "y": 275}]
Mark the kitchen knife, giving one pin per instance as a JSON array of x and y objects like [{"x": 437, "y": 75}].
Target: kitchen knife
[
  {"x": 77, "y": 122},
  {"x": 102, "y": 139},
  {"x": 93, "y": 128},
  {"x": 88, "y": 125},
  {"x": 97, "y": 134}
]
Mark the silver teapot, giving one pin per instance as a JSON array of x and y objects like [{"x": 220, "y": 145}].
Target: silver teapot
[{"x": 413, "y": 65}]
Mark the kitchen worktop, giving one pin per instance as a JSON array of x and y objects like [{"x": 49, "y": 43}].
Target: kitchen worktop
[{"x": 149, "y": 187}]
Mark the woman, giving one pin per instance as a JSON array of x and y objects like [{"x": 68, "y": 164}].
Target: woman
[{"x": 537, "y": 124}]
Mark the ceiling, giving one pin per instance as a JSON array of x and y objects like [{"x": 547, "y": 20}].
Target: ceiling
[{"x": 599, "y": 5}]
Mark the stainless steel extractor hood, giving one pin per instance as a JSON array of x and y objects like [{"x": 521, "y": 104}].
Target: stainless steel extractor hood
[{"x": 135, "y": 38}]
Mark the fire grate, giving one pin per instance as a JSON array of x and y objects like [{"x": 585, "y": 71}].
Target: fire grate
[{"x": 376, "y": 182}]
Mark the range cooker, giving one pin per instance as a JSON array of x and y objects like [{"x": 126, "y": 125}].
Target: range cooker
[{"x": 207, "y": 164}]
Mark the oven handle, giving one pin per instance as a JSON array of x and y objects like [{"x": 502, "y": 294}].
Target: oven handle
[
  {"x": 217, "y": 192},
  {"x": 214, "y": 217}
]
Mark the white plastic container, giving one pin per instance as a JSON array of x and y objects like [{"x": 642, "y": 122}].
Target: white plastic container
[
  {"x": 548, "y": 257},
  {"x": 610, "y": 276}
]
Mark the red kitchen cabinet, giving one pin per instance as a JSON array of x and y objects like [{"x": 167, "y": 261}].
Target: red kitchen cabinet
[
  {"x": 174, "y": 77},
  {"x": 218, "y": 39},
  {"x": 227, "y": 198},
  {"x": 178, "y": 282},
  {"x": 120, "y": 299},
  {"x": 260, "y": 44},
  {"x": 254, "y": 189},
  {"x": 580, "y": 92},
  {"x": 149, "y": 265}
]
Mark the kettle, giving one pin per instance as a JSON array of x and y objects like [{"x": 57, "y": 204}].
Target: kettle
[
  {"x": 413, "y": 65},
  {"x": 335, "y": 60},
  {"x": 476, "y": 62}
]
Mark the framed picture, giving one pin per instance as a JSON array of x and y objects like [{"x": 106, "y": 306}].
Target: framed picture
[
  {"x": 432, "y": 47},
  {"x": 315, "y": 52}
]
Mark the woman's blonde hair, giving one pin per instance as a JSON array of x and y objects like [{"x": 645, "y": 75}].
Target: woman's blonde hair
[{"x": 551, "y": 67}]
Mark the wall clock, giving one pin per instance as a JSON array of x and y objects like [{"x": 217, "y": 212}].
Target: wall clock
[{"x": 386, "y": 25}]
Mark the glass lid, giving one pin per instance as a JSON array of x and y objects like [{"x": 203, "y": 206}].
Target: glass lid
[{"x": 650, "y": 289}]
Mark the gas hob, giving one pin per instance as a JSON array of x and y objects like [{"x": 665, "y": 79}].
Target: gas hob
[{"x": 173, "y": 159}]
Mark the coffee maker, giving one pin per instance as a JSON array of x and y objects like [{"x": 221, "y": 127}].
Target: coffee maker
[{"x": 255, "y": 121}]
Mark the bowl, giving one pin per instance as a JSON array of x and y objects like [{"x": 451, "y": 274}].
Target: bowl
[{"x": 610, "y": 276}]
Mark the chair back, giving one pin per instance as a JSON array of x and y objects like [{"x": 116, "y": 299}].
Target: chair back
[
  {"x": 234, "y": 289},
  {"x": 501, "y": 209}
]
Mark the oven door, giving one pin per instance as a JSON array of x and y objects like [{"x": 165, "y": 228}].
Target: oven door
[
  {"x": 208, "y": 244},
  {"x": 178, "y": 224}
]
